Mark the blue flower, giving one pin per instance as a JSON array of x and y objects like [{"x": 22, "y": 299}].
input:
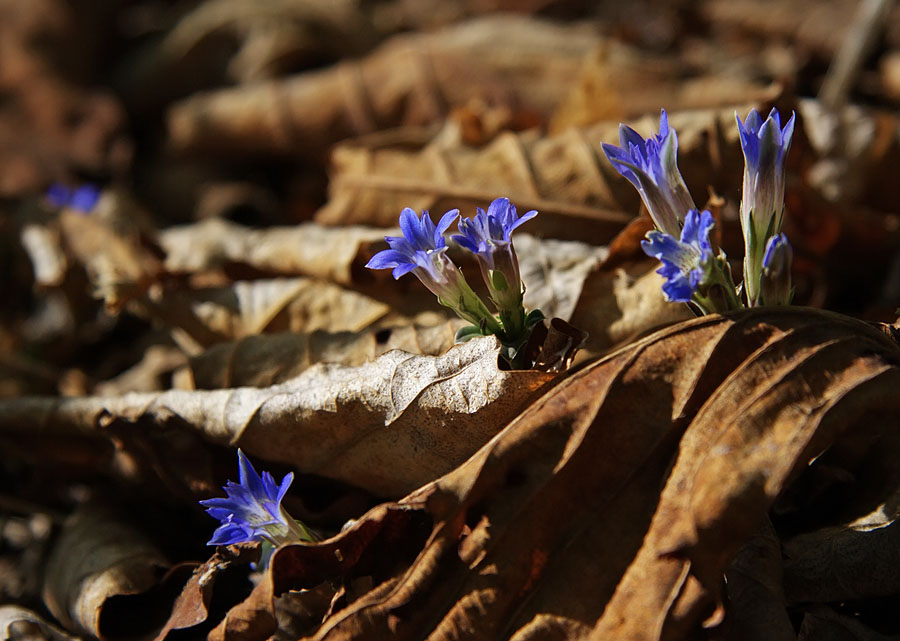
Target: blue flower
[
  {"x": 252, "y": 511},
  {"x": 487, "y": 233},
  {"x": 775, "y": 286},
  {"x": 422, "y": 250},
  {"x": 651, "y": 165},
  {"x": 765, "y": 145},
  {"x": 687, "y": 263},
  {"x": 82, "y": 199}
]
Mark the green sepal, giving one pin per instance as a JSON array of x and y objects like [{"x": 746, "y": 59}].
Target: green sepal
[
  {"x": 498, "y": 281},
  {"x": 533, "y": 317},
  {"x": 468, "y": 332}
]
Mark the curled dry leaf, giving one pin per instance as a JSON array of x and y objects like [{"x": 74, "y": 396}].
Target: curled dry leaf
[
  {"x": 246, "y": 308},
  {"x": 375, "y": 547},
  {"x": 756, "y": 604},
  {"x": 17, "y": 623},
  {"x": 387, "y": 426},
  {"x": 410, "y": 80},
  {"x": 98, "y": 558},
  {"x": 565, "y": 177},
  {"x": 311, "y": 250},
  {"x": 843, "y": 563},
  {"x": 192, "y": 606},
  {"x": 260, "y": 361},
  {"x": 617, "y": 304},
  {"x": 634, "y": 481},
  {"x": 821, "y": 623},
  {"x": 618, "y": 82}
]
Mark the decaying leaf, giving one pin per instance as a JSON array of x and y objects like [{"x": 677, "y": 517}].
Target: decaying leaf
[
  {"x": 617, "y": 304},
  {"x": 565, "y": 177},
  {"x": 375, "y": 547},
  {"x": 387, "y": 426},
  {"x": 842, "y": 563},
  {"x": 99, "y": 561},
  {"x": 246, "y": 308},
  {"x": 618, "y": 82},
  {"x": 310, "y": 250},
  {"x": 756, "y": 606},
  {"x": 613, "y": 506},
  {"x": 18, "y": 623},
  {"x": 192, "y": 606},
  {"x": 259, "y": 361},
  {"x": 410, "y": 80}
]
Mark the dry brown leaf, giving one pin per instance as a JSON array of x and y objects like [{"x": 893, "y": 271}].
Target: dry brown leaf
[
  {"x": 410, "y": 80},
  {"x": 311, "y": 250},
  {"x": 148, "y": 375},
  {"x": 756, "y": 608},
  {"x": 97, "y": 558},
  {"x": 374, "y": 547},
  {"x": 246, "y": 308},
  {"x": 20, "y": 623},
  {"x": 387, "y": 426},
  {"x": 616, "y": 305},
  {"x": 269, "y": 35},
  {"x": 192, "y": 606},
  {"x": 843, "y": 563},
  {"x": 613, "y": 506},
  {"x": 259, "y": 361},
  {"x": 618, "y": 82},
  {"x": 822, "y": 623},
  {"x": 565, "y": 177}
]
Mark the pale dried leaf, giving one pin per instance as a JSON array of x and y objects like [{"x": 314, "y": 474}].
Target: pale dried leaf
[
  {"x": 565, "y": 177},
  {"x": 412, "y": 79},
  {"x": 98, "y": 557},
  {"x": 634, "y": 481},
  {"x": 259, "y": 361},
  {"x": 308, "y": 249},
  {"x": 17, "y": 622},
  {"x": 387, "y": 426}
]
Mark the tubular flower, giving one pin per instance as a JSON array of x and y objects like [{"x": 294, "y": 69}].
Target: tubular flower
[
  {"x": 651, "y": 165},
  {"x": 765, "y": 145},
  {"x": 487, "y": 235},
  {"x": 253, "y": 511},
  {"x": 422, "y": 250},
  {"x": 686, "y": 262},
  {"x": 775, "y": 286}
]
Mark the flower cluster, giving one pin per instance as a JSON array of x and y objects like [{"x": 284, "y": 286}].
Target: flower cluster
[
  {"x": 253, "y": 511},
  {"x": 422, "y": 250},
  {"x": 82, "y": 199},
  {"x": 694, "y": 271}
]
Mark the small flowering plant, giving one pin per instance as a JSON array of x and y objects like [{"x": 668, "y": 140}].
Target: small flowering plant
[
  {"x": 422, "y": 250},
  {"x": 252, "y": 510},
  {"x": 694, "y": 270}
]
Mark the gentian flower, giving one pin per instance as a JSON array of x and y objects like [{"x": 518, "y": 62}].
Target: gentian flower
[
  {"x": 765, "y": 145},
  {"x": 82, "y": 199},
  {"x": 651, "y": 165},
  {"x": 775, "y": 285},
  {"x": 487, "y": 235},
  {"x": 422, "y": 250},
  {"x": 253, "y": 511},
  {"x": 686, "y": 262}
]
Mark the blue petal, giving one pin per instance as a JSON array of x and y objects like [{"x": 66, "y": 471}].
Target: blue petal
[
  {"x": 386, "y": 258},
  {"x": 249, "y": 479},
  {"x": 85, "y": 198},
  {"x": 403, "y": 268},
  {"x": 58, "y": 195},
  {"x": 442, "y": 226},
  {"x": 409, "y": 225},
  {"x": 525, "y": 217},
  {"x": 678, "y": 289}
]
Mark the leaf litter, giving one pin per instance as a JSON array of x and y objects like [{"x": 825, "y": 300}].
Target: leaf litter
[{"x": 664, "y": 477}]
